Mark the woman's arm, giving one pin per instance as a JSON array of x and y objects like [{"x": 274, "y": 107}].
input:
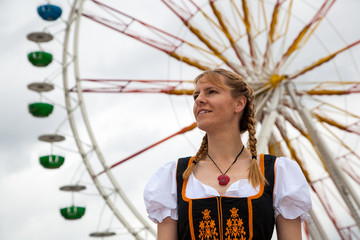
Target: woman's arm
[
  {"x": 288, "y": 228},
  {"x": 167, "y": 229}
]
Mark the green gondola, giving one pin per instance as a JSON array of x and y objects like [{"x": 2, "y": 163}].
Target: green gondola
[
  {"x": 72, "y": 212},
  {"x": 52, "y": 161},
  {"x": 40, "y": 109},
  {"x": 40, "y": 58}
]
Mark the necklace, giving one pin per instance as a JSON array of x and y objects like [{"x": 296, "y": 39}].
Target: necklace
[{"x": 223, "y": 178}]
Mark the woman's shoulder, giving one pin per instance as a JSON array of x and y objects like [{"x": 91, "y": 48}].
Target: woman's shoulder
[
  {"x": 167, "y": 170},
  {"x": 286, "y": 164},
  {"x": 160, "y": 193},
  {"x": 182, "y": 164},
  {"x": 291, "y": 192}
]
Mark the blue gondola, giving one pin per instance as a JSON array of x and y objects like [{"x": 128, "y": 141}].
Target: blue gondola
[{"x": 49, "y": 12}]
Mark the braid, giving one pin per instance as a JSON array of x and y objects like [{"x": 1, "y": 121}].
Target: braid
[
  {"x": 255, "y": 175},
  {"x": 251, "y": 125},
  {"x": 199, "y": 156}
]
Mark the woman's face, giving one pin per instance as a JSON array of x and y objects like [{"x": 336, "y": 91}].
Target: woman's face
[{"x": 215, "y": 108}]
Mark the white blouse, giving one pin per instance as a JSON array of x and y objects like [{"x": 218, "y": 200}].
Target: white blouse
[{"x": 291, "y": 191}]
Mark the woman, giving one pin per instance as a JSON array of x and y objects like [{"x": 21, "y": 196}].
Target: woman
[{"x": 227, "y": 191}]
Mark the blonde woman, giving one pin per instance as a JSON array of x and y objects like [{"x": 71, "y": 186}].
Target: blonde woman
[{"x": 227, "y": 190}]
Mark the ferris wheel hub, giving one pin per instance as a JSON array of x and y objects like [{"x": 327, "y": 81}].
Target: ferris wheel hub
[{"x": 276, "y": 79}]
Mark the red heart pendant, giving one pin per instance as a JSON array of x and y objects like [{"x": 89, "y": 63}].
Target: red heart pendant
[{"x": 223, "y": 179}]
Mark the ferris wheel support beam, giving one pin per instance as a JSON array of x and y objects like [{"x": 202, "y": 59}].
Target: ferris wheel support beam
[
  {"x": 264, "y": 135},
  {"x": 315, "y": 229},
  {"x": 269, "y": 120},
  {"x": 346, "y": 191}
]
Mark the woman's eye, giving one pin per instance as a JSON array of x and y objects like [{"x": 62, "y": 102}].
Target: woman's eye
[
  {"x": 212, "y": 91},
  {"x": 195, "y": 96}
]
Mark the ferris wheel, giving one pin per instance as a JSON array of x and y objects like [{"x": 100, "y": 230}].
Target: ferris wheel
[{"x": 125, "y": 72}]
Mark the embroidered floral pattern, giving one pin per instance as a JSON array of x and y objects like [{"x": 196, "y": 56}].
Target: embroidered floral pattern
[
  {"x": 235, "y": 228},
  {"x": 207, "y": 228}
]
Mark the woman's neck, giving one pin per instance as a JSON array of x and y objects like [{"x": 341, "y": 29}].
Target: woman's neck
[{"x": 224, "y": 145}]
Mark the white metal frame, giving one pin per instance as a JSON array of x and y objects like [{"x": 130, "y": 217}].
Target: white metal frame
[{"x": 74, "y": 18}]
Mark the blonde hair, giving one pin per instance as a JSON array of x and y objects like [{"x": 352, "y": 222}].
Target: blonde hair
[{"x": 238, "y": 87}]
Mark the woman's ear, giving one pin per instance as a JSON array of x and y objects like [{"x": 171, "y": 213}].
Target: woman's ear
[{"x": 240, "y": 104}]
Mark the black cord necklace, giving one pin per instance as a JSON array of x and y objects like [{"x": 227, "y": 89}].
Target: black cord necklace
[{"x": 223, "y": 178}]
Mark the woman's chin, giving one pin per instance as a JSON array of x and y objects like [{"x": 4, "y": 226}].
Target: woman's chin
[{"x": 204, "y": 126}]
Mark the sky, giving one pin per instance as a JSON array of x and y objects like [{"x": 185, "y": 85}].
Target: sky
[
  {"x": 30, "y": 194},
  {"x": 122, "y": 124}
]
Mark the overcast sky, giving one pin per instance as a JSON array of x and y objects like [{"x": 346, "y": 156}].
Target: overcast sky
[{"x": 30, "y": 197}]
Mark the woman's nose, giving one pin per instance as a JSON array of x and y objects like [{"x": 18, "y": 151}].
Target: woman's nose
[{"x": 200, "y": 99}]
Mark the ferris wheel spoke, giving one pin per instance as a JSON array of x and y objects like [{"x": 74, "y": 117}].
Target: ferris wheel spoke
[
  {"x": 186, "y": 12},
  {"x": 182, "y": 131},
  {"x": 350, "y": 155},
  {"x": 291, "y": 148},
  {"x": 211, "y": 43},
  {"x": 225, "y": 29},
  {"x": 166, "y": 47},
  {"x": 288, "y": 114},
  {"x": 334, "y": 123},
  {"x": 248, "y": 28},
  {"x": 333, "y": 88},
  {"x": 306, "y": 32},
  {"x": 275, "y": 147},
  {"x": 136, "y": 86},
  {"x": 352, "y": 127},
  {"x": 351, "y": 165},
  {"x": 215, "y": 46},
  {"x": 322, "y": 60},
  {"x": 339, "y": 142},
  {"x": 324, "y": 191},
  {"x": 355, "y": 127},
  {"x": 297, "y": 126},
  {"x": 322, "y": 104},
  {"x": 160, "y": 40},
  {"x": 306, "y": 137},
  {"x": 273, "y": 34}
]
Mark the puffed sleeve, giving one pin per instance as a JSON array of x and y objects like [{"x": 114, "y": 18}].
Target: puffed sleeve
[
  {"x": 291, "y": 191},
  {"x": 160, "y": 194}
]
